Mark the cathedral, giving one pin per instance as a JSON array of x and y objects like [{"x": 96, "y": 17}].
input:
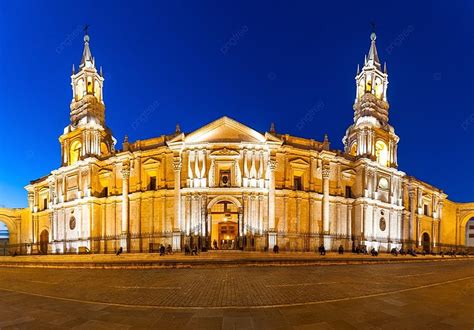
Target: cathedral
[{"x": 228, "y": 186}]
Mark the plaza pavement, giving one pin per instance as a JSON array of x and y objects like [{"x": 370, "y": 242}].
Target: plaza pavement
[{"x": 421, "y": 295}]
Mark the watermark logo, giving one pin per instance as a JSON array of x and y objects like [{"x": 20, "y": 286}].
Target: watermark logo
[
  {"x": 145, "y": 115},
  {"x": 468, "y": 122},
  {"x": 310, "y": 115},
  {"x": 400, "y": 39},
  {"x": 69, "y": 39},
  {"x": 234, "y": 39}
]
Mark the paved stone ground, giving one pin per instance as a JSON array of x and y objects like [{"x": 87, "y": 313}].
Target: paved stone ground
[{"x": 392, "y": 296}]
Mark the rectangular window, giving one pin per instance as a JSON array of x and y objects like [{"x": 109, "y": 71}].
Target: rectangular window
[
  {"x": 348, "y": 192},
  {"x": 426, "y": 209},
  {"x": 471, "y": 235},
  {"x": 45, "y": 203},
  {"x": 471, "y": 226},
  {"x": 152, "y": 185},
  {"x": 297, "y": 183}
]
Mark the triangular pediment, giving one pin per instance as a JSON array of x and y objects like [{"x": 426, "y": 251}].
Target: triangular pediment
[
  {"x": 225, "y": 130},
  {"x": 299, "y": 162},
  {"x": 151, "y": 161}
]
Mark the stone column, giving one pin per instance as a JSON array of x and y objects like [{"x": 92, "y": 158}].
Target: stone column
[
  {"x": 374, "y": 216},
  {"x": 177, "y": 203},
  {"x": 364, "y": 223},
  {"x": 411, "y": 221},
  {"x": 312, "y": 218},
  {"x": 326, "y": 221},
  {"x": 440, "y": 214},
  {"x": 241, "y": 222},
  {"x": 349, "y": 225},
  {"x": 125, "y": 243},
  {"x": 272, "y": 236},
  {"x": 103, "y": 230}
]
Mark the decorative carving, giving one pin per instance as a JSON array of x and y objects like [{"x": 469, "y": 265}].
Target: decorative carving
[
  {"x": 72, "y": 223},
  {"x": 125, "y": 170},
  {"x": 225, "y": 152},
  {"x": 326, "y": 171},
  {"x": 212, "y": 170},
  {"x": 382, "y": 224},
  {"x": 238, "y": 175},
  {"x": 177, "y": 164},
  {"x": 370, "y": 172},
  {"x": 88, "y": 105},
  {"x": 272, "y": 163}
]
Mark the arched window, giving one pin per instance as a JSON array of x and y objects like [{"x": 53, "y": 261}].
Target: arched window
[
  {"x": 353, "y": 151},
  {"x": 360, "y": 89},
  {"x": 381, "y": 152},
  {"x": 378, "y": 88},
  {"x": 75, "y": 152},
  {"x": 80, "y": 89},
  {"x": 89, "y": 85},
  {"x": 103, "y": 148},
  {"x": 368, "y": 83},
  {"x": 97, "y": 90}
]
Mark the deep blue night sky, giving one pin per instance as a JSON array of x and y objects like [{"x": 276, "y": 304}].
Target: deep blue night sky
[{"x": 176, "y": 62}]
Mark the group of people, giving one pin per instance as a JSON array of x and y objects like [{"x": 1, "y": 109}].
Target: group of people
[
  {"x": 190, "y": 251},
  {"x": 162, "y": 250},
  {"x": 165, "y": 251},
  {"x": 361, "y": 249},
  {"x": 321, "y": 249}
]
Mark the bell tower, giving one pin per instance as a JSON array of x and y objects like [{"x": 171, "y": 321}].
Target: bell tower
[
  {"x": 86, "y": 135},
  {"x": 371, "y": 136}
]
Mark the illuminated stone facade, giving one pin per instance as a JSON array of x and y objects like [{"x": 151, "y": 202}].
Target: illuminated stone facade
[{"x": 229, "y": 186}]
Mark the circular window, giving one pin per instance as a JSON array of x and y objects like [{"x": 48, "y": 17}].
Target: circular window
[
  {"x": 72, "y": 223},
  {"x": 383, "y": 184},
  {"x": 383, "y": 224}
]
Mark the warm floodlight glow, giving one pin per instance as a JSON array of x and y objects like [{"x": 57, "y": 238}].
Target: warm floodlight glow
[
  {"x": 75, "y": 152},
  {"x": 353, "y": 151},
  {"x": 381, "y": 152}
]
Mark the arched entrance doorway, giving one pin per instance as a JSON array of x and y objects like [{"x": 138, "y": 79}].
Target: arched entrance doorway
[
  {"x": 44, "y": 242},
  {"x": 425, "y": 242},
  {"x": 4, "y": 239},
  {"x": 224, "y": 225},
  {"x": 470, "y": 233}
]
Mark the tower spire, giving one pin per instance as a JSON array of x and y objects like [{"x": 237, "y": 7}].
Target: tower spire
[
  {"x": 373, "y": 57},
  {"x": 87, "y": 59}
]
